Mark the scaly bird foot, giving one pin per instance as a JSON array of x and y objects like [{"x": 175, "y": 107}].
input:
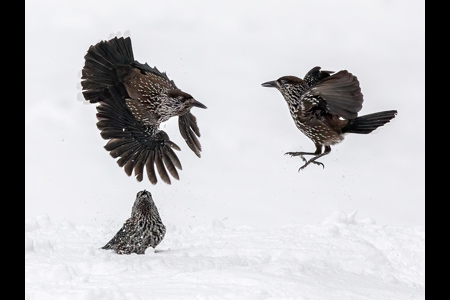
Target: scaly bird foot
[
  {"x": 311, "y": 161},
  {"x": 307, "y": 162}
]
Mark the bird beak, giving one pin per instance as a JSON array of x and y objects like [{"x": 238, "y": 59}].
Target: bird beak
[
  {"x": 270, "y": 84},
  {"x": 198, "y": 104}
]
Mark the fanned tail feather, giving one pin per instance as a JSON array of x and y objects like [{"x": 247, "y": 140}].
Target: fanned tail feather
[{"x": 101, "y": 64}]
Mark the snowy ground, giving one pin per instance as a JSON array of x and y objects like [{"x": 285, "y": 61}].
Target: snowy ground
[{"x": 341, "y": 258}]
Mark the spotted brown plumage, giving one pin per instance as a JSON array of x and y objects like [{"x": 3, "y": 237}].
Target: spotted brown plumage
[
  {"x": 324, "y": 106},
  {"x": 134, "y": 99},
  {"x": 142, "y": 230}
]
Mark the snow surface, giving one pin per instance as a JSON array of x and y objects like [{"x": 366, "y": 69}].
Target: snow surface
[{"x": 340, "y": 258}]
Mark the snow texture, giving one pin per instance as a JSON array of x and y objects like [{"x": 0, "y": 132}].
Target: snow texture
[{"x": 341, "y": 258}]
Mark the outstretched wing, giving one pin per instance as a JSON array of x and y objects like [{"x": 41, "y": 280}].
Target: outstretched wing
[
  {"x": 137, "y": 145},
  {"x": 340, "y": 94}
]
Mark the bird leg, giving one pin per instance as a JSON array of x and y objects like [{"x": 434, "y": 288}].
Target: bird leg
[
  {"x": 318, "y": 153},
  {"x": 313, "y": 160}
]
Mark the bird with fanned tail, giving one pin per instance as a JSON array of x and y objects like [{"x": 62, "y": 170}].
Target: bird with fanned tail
[
  {"x": 324, "y": 106},
  {"x": 134, "y": 99}
]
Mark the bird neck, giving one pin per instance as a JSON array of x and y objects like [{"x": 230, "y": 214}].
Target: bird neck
[
  {"x": 293, "y": 92},
  {"x": 292, "y": 96}
]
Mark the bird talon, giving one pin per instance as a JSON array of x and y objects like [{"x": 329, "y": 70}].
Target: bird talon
[
  {"x": 311, "y": 161},
  {"x": 319, "y": 164},
  {"x": 291, "y": 153}
]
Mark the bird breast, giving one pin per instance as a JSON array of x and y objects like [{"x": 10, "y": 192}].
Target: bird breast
[{"x": 321, "y": 130}]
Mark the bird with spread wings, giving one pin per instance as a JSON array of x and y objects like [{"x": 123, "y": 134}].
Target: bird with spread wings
[{"x": 134, "y": 99}]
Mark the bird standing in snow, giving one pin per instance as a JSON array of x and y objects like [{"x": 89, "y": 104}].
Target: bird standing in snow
[
  {"x": 142, "y": 230},
  {"x": 134, "y": 99},
  {"x": 325, "y": 106}
]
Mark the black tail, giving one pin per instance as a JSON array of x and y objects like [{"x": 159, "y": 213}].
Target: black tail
[
  {"x": 368, "y": 123},
  {"x": 101, "y": 63}
]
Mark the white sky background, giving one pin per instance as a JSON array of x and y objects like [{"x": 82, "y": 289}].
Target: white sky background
[{"x": 220, "y": 54}]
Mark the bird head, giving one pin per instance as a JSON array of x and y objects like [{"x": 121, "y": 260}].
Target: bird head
[
  {"x": 143, "y": 202},
  {"x": 285, "y": 82},
  {"x": 183, "y": 100},
  {"x": 288, "y": 85},
  {"x": 144, "y": 194}
]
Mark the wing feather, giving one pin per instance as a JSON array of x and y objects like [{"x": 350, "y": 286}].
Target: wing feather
[
  {"x": 340, "y": 92},
  {"x": 136, "y": 145},
  {"x": 189, "y": 130}
]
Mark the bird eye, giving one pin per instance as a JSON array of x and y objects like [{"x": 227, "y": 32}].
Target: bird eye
[{"x": 184, "y": 99}]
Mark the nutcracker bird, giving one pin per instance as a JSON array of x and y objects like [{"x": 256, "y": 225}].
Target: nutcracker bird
[
  {"x": 134, "y": 99},
  {"x": 142, "y": 230},
  {"x": 325, "y": 107}
]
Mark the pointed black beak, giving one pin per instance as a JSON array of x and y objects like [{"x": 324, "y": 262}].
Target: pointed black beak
[
  {"x": 270, "y": 84},
  {"x": 198, "y": 104}
]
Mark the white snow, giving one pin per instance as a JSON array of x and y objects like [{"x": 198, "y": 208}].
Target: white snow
[{"x": 340, "y": 258}]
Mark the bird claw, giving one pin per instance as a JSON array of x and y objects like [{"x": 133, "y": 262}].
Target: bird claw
[
  {"x": 308, "y": 162},
  {"x": 292, "y": 154}
]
